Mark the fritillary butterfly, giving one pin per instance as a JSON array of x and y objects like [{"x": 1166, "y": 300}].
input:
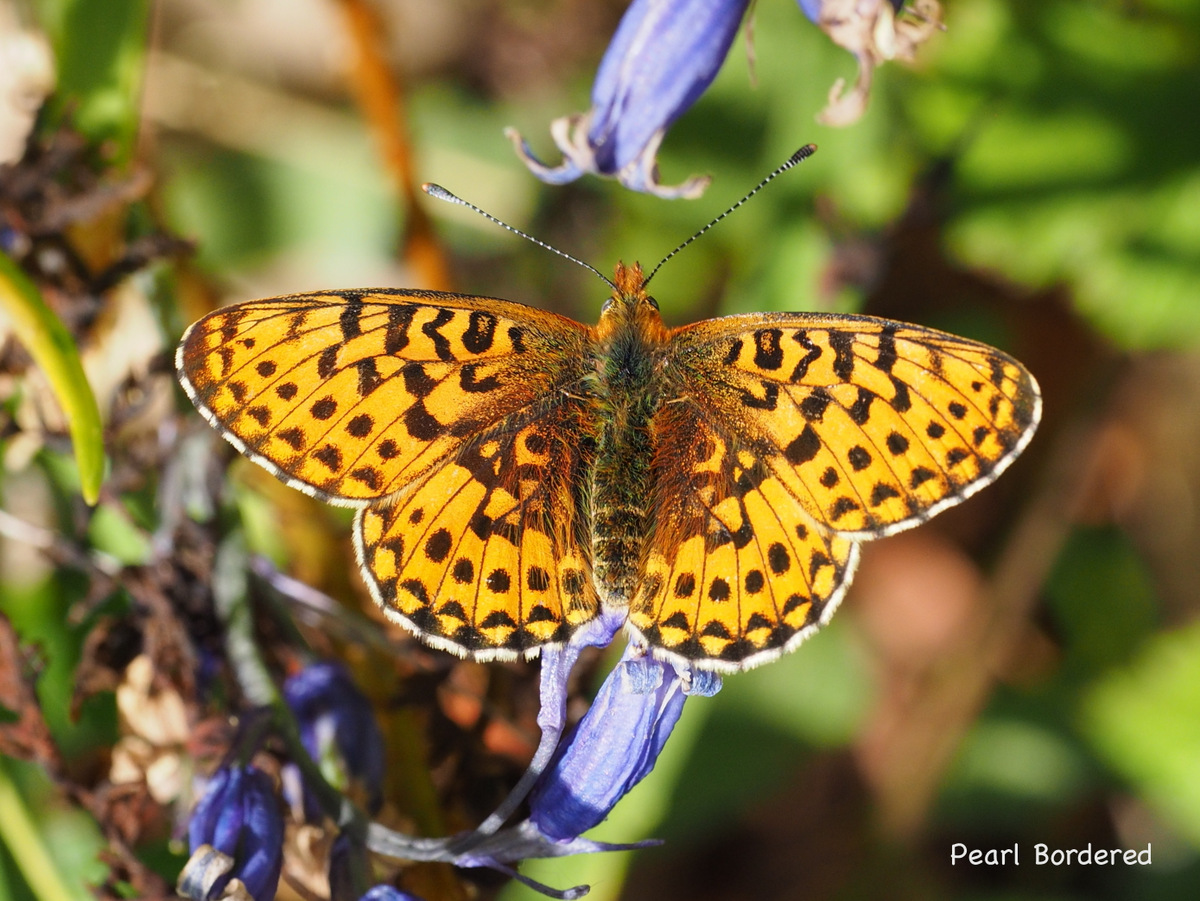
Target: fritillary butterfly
[{"x": 515, "y": 472}]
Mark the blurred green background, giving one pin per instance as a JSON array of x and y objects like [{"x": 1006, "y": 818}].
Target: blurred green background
[{"x": 1025, "y": 669}]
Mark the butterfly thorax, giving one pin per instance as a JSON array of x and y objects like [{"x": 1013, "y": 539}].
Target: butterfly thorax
[{"x": 631, "y": 350}]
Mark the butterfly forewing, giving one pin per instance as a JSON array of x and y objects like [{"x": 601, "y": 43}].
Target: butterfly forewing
[
  {"x": 871, "y": 426},
  {"x": 350, "y": 396}
]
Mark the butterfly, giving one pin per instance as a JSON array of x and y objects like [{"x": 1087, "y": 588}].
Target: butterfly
[{"x": 516, "y": 472}]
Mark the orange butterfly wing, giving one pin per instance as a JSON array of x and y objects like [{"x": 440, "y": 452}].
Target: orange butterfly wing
[
  {"x": 420, "y": 407},
  {"x": 815, "y": 432}
]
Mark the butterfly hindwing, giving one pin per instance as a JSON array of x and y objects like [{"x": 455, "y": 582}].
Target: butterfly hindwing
[
  {"x": 871, "y": 426},
  {"x": 484, "y": 557},
  {"x": 734, "y": 572}
]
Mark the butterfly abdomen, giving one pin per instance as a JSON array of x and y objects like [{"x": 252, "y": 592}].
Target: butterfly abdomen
[
  {"x": 626, "y": 373},
  {"x": 620, "y": 501}
]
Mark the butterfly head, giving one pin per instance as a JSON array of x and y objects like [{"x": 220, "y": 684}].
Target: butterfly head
[{"x": 631, "y": 308}]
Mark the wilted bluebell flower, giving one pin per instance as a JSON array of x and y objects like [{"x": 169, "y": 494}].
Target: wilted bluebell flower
[
  {"x": 874, "y": 31},
  {"x": 666, "y": 53},
  {"x": 338, "y": 729},
  {"x": 239, "y": 817}
]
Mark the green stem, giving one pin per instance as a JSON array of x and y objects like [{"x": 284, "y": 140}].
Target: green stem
[{"x": 232, "y": 601}]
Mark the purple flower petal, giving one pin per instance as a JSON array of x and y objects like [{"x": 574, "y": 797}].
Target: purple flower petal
[
  {"x": 662, "y": 58},
  {"x": 613, "y": 747},
  {"x": 239, "y": 816},
  {"x": 332, "y": 711}
]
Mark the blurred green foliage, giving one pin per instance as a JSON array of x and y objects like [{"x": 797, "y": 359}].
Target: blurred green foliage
[{"x": 1072, "y": 144}]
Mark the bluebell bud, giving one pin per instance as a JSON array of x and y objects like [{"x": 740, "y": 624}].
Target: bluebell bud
[{"x": 239, "y": 817}]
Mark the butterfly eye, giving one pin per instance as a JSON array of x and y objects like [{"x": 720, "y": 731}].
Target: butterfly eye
[
  {"x": 650, "y": 300},
  {"x": 607, "y": 305}
]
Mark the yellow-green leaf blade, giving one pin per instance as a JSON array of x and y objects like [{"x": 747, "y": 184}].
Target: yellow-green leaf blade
[{"x": 54, "y": 351}]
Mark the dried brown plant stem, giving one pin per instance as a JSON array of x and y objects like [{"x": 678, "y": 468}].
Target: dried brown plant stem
[
  {"x": 906, "y": 762},
  {"x": 380, "y": 95}
]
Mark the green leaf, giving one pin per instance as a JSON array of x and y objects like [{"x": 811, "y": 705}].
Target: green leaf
[
  {"x": 101, "y": 49},
  {"x": 1145, "y": 722},
  {"x": 54, "y": 351}
]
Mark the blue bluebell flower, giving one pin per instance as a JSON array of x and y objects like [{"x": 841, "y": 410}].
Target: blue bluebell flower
[
  {"x": 574, "y": 781},
  {"x": 662, "y": 58},
  {"x": 666, "y": 53},
  {"x": 615, "y": 745},
  {"x": 610, "y": 750},
  {"x": 239, "y": 818},
  {"x": 338, "y": 729}
]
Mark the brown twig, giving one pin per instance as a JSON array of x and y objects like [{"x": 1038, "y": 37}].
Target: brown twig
[
  {"x": 379, "y": 92},
  {"x": 906, "y": 761}
]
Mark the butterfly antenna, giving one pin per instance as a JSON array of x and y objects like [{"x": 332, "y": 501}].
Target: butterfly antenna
[
  {"x": 795, "y": 159},
  {"x": 442, "y": 194}
]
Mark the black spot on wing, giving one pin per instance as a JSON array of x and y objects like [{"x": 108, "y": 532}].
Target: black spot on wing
[
  {"x": 685, "y": 585},
  {"x": 768, "y": 354},
  {"x": 327, "y": 361},
  {"x": 887, "y": 349},
  {"x": 351, "y": 319},
  {"x": 368, "y": 376},
  {"x": 292, "y": 437},
  {"x": 399, "y": 320},
  {"x": 324, "y": 408},
  {"x": 812, "y": 352},
  {"x": 803, "y": 447},
  {"x": 860, "y": 410},
  {"x": 422, "y": 424},
  {"x": 896, "y": 443},
  {"x": 813, "y": 407},
  {"x": 360, "y": 426},
  {"x": 769, "y": 400},
  {"x": 735, "y": 351},
  {"x": 368, "y": 475},
  {"x": 882, "y": 492},
  {"x": 920, "y": 475},
  {"x": 469, "y": 382},
  {"x": 438, "y": 545},
  {"x": 416, "y": 381},
  {"x": 843, "y": 354},
  {"x": 517, "y": 336},
  {"x": 901, "y": 402},
  {"x": 432, "y": 331},
  {"x": 480, "y": 333},
  {"x": 330, "y": 456}
]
